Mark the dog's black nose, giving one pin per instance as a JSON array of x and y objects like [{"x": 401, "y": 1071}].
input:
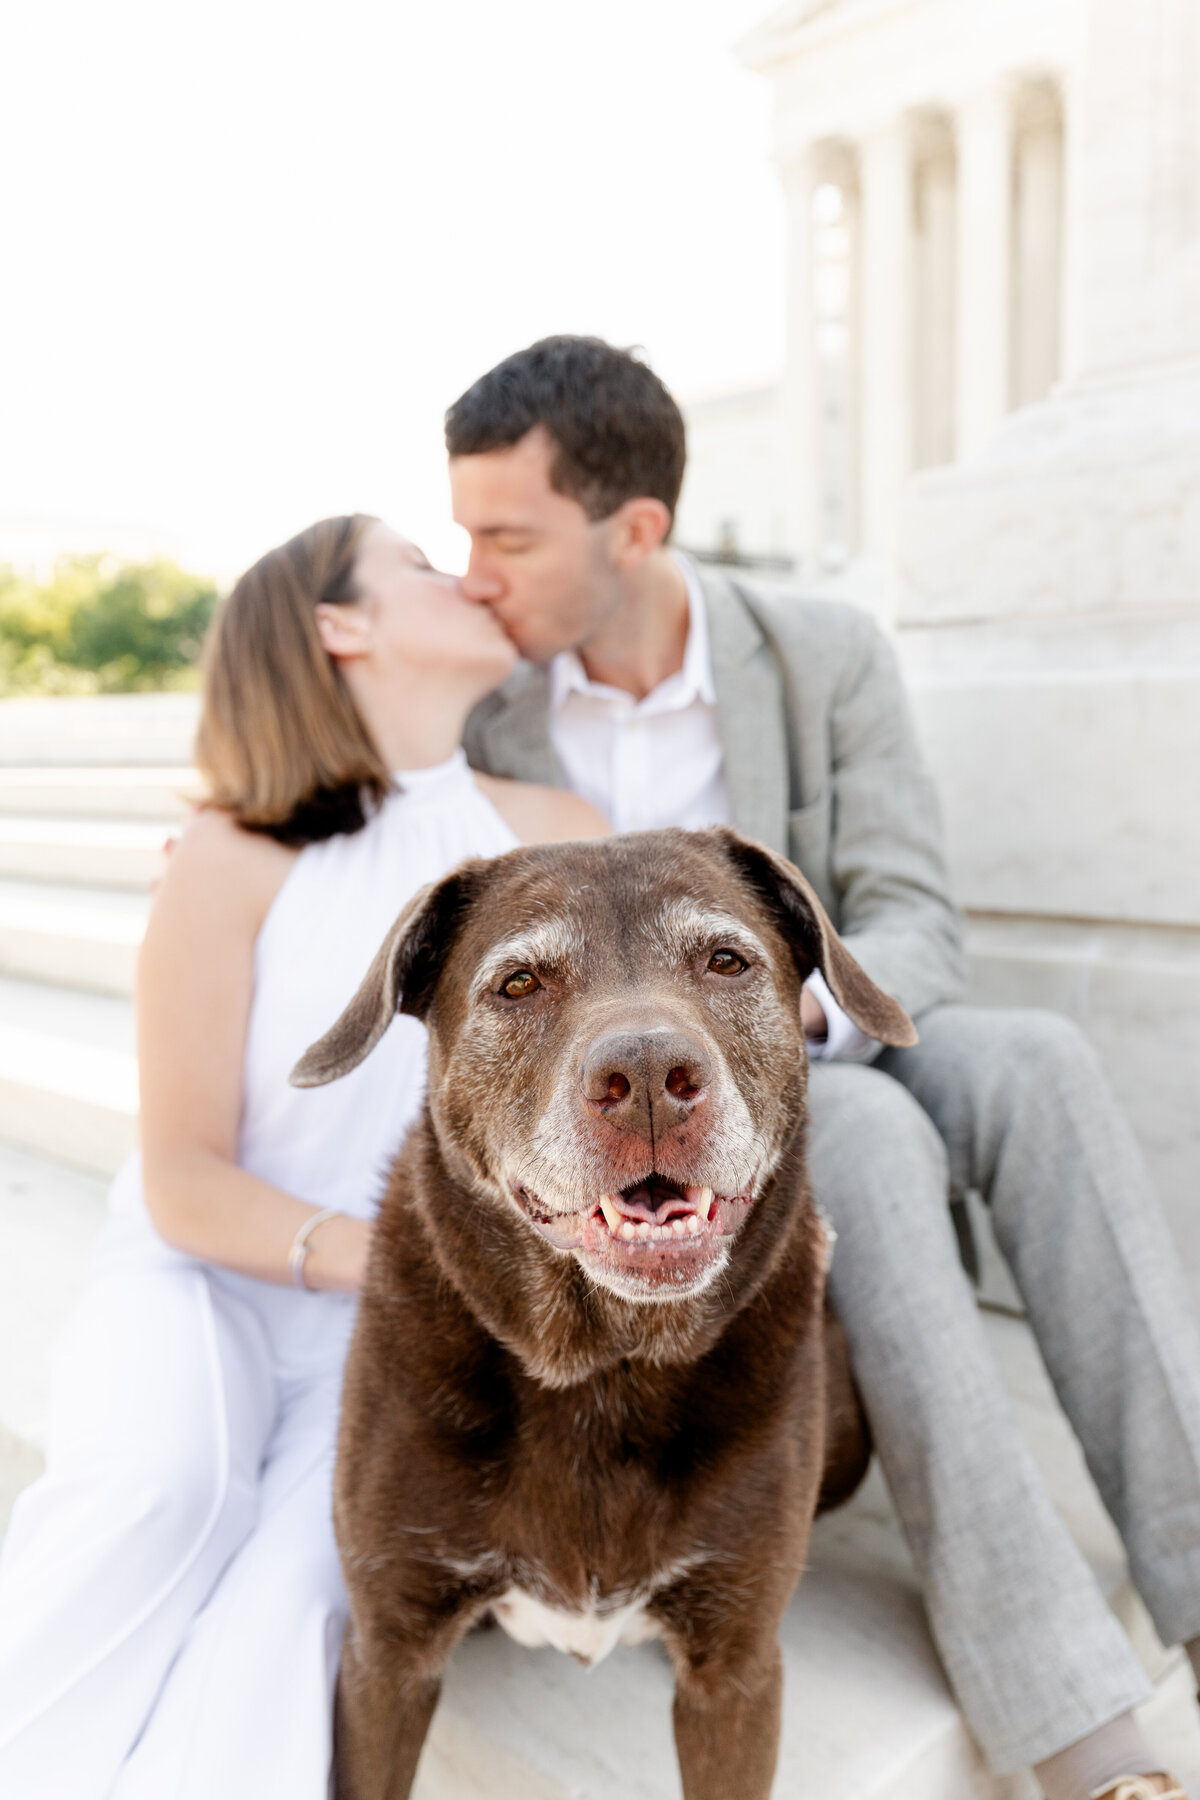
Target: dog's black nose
[{"x": 645, "y": 1081}]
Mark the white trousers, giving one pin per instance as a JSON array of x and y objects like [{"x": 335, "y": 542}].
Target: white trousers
[{"x": 171, "y": 1604}]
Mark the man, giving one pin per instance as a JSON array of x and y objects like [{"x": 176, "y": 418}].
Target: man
[{"x": 670, "y": 695}]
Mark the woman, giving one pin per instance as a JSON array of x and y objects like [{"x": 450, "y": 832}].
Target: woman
[{"x": 171, "y": 1605}]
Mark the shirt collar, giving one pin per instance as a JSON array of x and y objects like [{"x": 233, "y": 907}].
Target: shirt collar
[{"x": 694, "y": 681}]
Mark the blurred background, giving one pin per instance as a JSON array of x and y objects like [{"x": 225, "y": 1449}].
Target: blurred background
[{"x": 925, "y": 275}]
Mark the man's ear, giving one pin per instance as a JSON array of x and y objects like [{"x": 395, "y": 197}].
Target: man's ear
[
  {"x": 815, "y": 943},
  {"x": 639, "y": 526},
  {"x": 402, "y": 978}
]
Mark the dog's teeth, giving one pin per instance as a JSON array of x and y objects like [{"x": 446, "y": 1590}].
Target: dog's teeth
[
  {"x": 693, "y": 1225},
  {"x": 628, "y": 1230},
  {"x": 644, "y": 1231},
  {"x": 706, "y": 1195},
  {"x": 609, "y": 1209},
  {"x": 678, "y": 1227}
]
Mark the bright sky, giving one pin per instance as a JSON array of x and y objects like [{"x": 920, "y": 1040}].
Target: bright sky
[{"x": 252, "y": 249}]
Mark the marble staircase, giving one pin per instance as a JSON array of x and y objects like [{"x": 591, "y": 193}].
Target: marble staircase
[{"x": 90, "y": 791}]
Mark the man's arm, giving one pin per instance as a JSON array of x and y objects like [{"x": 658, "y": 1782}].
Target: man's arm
[{"x": 886, "y": 856}]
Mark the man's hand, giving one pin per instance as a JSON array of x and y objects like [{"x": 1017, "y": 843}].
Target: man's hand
[{"x": 812, "y": 1016}]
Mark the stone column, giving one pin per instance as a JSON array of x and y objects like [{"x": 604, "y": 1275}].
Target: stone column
[
  {"x": 799, "y": 388},
  {"x": 985, "y": 186},
  {"x": 1038, "y": 251},
  {"x": 885, "y": 359}
]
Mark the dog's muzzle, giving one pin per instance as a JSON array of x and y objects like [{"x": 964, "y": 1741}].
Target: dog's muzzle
[{"x": 650, "y": 1240}]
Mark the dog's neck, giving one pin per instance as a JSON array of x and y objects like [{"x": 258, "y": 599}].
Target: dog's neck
[{"x": 539, "y": 1303}]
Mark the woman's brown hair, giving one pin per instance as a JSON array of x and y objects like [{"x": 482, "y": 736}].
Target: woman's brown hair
[{"x": 280, "y": 741}]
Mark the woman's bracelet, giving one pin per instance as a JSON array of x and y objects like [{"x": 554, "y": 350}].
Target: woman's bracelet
[{"x": 298, "y": 1254}]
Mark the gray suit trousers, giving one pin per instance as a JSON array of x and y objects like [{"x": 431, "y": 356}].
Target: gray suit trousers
[{"x": 1014, "y": 1105}]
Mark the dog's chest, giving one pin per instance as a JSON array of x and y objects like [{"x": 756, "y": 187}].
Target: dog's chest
[{"x": 589, "y": 1633}]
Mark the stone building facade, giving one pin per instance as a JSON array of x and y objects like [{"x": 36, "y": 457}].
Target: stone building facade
[
  {"x": 990, "y": 434},
  {"x": 733, "y": 505}
]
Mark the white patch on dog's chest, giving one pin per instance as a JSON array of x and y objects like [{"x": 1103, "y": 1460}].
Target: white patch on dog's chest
[{"x": 589, "y": 1634}]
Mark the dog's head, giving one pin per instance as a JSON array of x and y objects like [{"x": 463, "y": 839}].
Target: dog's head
[{"x": 616, "y": 1053}]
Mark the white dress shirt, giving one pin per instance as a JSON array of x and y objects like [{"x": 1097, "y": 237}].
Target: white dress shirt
[{"x": 646, "y": 764}]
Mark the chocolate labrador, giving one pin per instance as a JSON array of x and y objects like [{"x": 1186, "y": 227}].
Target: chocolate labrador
[{"x": 594, "y": 1389}]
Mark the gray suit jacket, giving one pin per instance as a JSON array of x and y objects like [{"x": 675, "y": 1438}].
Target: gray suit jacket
[{"x": 822, "y": 765}]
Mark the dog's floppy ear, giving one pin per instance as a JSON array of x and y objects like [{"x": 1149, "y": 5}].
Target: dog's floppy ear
[
  {"x": 814, "y": 940},
  {"x": 402, "y": 978}
]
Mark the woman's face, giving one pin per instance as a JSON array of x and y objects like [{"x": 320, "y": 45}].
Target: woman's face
[{"x": 418, "y": 618}]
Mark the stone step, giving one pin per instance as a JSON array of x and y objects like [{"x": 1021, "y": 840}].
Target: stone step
[
  {"x": 76, "y": 937},
  {"x": 104, "y": 730},
  {"x": 158, "y": 794},
  {"x": 867, "y": 1713},
  {"x": 866, "y": 1716},
  {"x": 68, "y": 1074},
  {"x": 116, "y": 853}
]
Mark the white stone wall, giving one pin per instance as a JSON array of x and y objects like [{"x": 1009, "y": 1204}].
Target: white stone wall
[
  {"x": 1066, "y": 752},
  {"x": 1022, "y": 179},
  {"x": 1050, "y": 613},
  {"x": 732, "y": 498}
]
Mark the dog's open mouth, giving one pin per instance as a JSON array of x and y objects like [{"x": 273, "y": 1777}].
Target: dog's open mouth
[
  {"x": 657, "y": 1211},
  {"x": 656, "y": 1214}
]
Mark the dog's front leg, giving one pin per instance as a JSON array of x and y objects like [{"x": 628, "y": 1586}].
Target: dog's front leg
[
  {"x": 723, "y": 1639},
  {"x": 387, "y": 1692},
  {"x": 727, "y": 1718}
]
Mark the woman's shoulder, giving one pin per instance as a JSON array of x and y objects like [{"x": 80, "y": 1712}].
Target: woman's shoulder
[
  {"x": 220, "y": 864},
  {"x": 542, "y": 815}
]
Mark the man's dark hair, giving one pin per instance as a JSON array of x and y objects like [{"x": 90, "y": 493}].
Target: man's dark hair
[{"x": 617, "y": 433}]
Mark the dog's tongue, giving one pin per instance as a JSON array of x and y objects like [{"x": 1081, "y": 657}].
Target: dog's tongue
[{"x": 657, "y": 1202}]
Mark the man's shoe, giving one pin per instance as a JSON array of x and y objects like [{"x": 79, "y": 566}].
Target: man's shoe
[{"x": 1140, "y": 1787}]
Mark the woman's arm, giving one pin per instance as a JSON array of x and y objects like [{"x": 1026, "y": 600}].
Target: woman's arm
[
  {"x": 542, "y": 815},
  {"x": 195, "y": 980}
]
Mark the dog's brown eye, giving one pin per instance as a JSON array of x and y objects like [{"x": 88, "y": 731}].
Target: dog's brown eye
[
  {"x": 522, "y": 983},
  {"x": 725, "y": 962}
]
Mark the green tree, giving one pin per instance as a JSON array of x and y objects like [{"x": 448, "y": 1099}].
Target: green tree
[{"x": 101, "y": 626}]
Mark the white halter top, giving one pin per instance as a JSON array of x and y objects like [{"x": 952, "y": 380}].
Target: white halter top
[{"x": 333, "y": 1145}]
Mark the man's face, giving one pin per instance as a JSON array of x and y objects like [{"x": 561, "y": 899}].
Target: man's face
[{"x": 544, "y": 568}]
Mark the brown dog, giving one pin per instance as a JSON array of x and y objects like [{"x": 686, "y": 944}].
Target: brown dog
[{"x": 594, "y": 1389}]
